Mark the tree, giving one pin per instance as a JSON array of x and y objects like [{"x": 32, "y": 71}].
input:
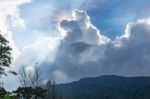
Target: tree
[
  {"x": 25, "y": 81},
  {"x": 24, "y": 77},
  {"x": 31, "y": 82},
  {"x": 36, "y": 79},
  {"x": 30, "y": 78},
  {"x": 51, "y": 88},
  {"x": 25, "y": 92},
  {"x": 39, "y": 93},
  {"x": 5, "y": 55},
  {"x": 3, "y": 92},
  {"x": 30, "y": 93},
  {"x": 36, "y": 82},
  {"x": 53, "y": 91}
]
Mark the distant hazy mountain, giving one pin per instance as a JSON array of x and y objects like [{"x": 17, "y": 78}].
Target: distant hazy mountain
[{"x": 108, "y": 87}]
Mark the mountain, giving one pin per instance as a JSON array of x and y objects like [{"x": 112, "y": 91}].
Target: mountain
[{"x": 107, "y": 87}]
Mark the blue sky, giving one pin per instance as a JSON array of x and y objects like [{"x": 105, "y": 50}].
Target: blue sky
[
  {"x": 112, "y": 16},
  {"x": 60, "y": 36}
]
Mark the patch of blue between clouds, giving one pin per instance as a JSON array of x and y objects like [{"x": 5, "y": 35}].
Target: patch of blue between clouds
[{"x": 112, "y": 16}]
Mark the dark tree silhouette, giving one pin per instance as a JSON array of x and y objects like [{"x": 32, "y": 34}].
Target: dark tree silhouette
[
  {"x": 5, "y": 55},
  {"x": 3, "y": 92}
]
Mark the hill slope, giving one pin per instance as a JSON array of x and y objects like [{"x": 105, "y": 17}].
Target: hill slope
[{"x": 108, "y": 87}]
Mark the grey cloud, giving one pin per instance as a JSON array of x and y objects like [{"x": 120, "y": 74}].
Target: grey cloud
[
  {"x": 85, "y": 52},
  {"x": 78, "y": 54},
  {"x": 82, "y": 53}
]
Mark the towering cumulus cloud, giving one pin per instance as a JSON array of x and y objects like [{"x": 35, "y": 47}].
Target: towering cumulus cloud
[
  {"x": 77, "y": 55},
  {"x": 84, "y": 51}
]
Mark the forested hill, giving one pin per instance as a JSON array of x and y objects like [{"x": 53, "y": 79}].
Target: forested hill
[{"x": 108, "y": 87}]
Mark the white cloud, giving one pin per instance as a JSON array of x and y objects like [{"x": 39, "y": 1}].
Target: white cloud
[
  {"x": 43, "y": 50},
  {"x": 81, "y": 29},
  {"x": 85, "y": 52},
  {"x": 9, "y": 16}
]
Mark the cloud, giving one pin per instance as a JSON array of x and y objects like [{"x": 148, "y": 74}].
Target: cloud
[
  {"x": 131, "y": 58},
  {"x": 81, "y": 37},
  {"x": 43, "y": 50},
  {"x": 85, "y": 52},
  {"x": 9, "y": 17},
  {"x": 79, "y": 47},
  {"x": 9, "y": 14}
]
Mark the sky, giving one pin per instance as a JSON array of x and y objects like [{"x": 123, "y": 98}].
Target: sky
[{"x": 73, "y": 39}]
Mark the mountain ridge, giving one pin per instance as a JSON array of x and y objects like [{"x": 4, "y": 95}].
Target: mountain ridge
[{"x": 108, "y": 87}]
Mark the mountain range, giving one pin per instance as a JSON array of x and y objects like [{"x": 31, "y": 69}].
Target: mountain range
[{"x": 107, "y": 87}]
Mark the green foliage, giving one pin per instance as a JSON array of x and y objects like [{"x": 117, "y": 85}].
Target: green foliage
[
  {"x": 3, "y": 92},
  {"x": 5, "y": 55},
  {"x": 25, "y": 92},
  {"x": 7, "y": 96},
  {"x": 39, "y": 92},
  {"x": 29, "y": 92}
]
